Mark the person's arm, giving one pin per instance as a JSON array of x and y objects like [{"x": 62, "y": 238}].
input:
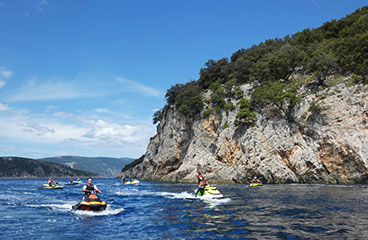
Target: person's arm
[
  {"x": 84, "y": 188},
  {"x": 97, "y": 190}
]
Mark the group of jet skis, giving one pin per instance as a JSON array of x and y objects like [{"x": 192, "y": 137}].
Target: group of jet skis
[{"x": 91, "y": 202}]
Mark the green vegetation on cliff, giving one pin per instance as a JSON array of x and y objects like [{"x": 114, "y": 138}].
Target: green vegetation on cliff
[{"x": 336, "y": 48}]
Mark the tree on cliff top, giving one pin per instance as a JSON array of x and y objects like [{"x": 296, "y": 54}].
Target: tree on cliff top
[{"x": 337, "y": 47}]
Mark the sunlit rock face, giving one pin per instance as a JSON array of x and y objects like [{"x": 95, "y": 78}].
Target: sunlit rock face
[{"x": 327, "y": 145}]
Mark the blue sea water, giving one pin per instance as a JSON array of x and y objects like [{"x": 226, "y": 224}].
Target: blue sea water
[{"x": 160, "y": 210}]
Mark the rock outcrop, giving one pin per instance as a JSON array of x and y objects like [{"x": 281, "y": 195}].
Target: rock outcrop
[{"x": 326, "y": 143}]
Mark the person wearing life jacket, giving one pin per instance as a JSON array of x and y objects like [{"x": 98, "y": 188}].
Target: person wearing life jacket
[
  {"x": 256, "y": 180},
  {"x": 199, "y": 177},
  {"x": 71, "y": 180},
  {"x": 202, "y": 184},
  {"x": 50, "y": 181},
  {"x": 90, "y": 188}
]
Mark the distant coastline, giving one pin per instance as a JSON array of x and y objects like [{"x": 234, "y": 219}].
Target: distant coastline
[{"x": 16, "y": 167}]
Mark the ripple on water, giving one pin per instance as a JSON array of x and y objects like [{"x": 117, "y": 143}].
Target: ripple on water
[{"x": 155, "y": 210}]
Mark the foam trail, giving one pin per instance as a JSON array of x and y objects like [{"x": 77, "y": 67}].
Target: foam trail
[
  {"x": 106, "y": 212},
  {"x": 212, "y": 199},
  {"x": 67, "y": 207}
]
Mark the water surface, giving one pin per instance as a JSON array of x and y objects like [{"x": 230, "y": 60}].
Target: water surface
[{"x": 157, "y": 210}]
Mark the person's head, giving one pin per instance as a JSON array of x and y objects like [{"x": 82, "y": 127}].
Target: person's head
[{"x": 89, "y": 180}]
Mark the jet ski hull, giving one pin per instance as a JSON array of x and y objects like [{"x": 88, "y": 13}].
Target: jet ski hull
[
  {"x": 46, "y": 186},
  {"x": 91, "y": 203},
  {"x": 132, "y": 182},
  {"x": 208, "y": 190},
  {"x": 255, "y": 184},
  {"x": 74, "y": 183}
]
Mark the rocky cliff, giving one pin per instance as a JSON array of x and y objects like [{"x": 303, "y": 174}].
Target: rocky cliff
[{"x": 327, "y": 143}]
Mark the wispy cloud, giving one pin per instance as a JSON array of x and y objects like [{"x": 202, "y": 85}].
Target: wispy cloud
[
  {"x": 35, "y": 128},
  {"x": 102, "y": 110},
  {"x": 4, "y": 107},
  {"x": 6, "y": 73},
  {"x": 140, "y": 88},
  {"x": 40, "y": 91}
]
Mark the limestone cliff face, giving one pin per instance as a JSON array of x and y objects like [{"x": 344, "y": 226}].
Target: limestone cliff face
[{"x": 324, "y": 145}]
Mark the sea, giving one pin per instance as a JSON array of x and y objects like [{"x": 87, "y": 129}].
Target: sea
[{"x": 162, "y": 210}]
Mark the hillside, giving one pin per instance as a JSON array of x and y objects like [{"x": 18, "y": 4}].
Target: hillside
[
  {"x": 286, "y": 110},
  {"x": 27, "y": 168},
  {"x": 103, "y": 166}
]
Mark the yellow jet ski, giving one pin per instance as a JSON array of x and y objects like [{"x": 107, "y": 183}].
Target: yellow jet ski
[
  {"x": 208, "y": 190},
  {"x": 91, "y": 203},
  {"x": 53, "y": 186},
  {"x": 255, "y": 184},
  {"x": 131, "y": 181}
]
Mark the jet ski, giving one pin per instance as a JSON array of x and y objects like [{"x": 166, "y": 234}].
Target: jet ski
[
  {"x": 132, "y": 181},
  {"x": 53, "y": 186},
  {"x": 91, "y": 203},
  {"x": 208, "y": 190},
  {"x": 75, "y": 183},
  {"x": 255, "y": 184}
]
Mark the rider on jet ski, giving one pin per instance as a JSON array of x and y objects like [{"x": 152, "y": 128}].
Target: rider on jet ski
[{"x": 90, "y": 188}]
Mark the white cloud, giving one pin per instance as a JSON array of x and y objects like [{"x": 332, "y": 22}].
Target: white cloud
[
  {"x": 113, "y": 133},
  {"x": 6, "y": 73},
  {"x": 35, "y": 91},
  {"x": 36, "y": 128},
  {"x": 70, "y": 132},
  {"x": 137, "y": 87},
  {"x": 4, "y": 107},
  {"x": 2, "y": 84},
  {"x": 102, "y": 110}
]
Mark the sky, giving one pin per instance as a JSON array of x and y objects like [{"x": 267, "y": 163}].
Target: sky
[{"x": 84, "y": 77}]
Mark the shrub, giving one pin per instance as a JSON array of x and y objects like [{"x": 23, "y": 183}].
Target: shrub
[
  {"x": 206, "y": 113},
  {"x": 245, "y": 114}
]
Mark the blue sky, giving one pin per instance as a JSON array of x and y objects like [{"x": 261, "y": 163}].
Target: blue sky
[{"x": 84, "y": 78}]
